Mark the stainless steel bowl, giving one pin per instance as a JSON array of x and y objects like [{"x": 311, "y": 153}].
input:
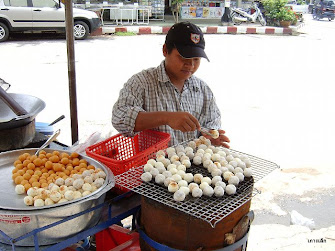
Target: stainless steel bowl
[{"x": 17, "y": 219}]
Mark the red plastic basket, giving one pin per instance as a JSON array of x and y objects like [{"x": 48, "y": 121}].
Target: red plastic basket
[{"x": 121, "y": 153}]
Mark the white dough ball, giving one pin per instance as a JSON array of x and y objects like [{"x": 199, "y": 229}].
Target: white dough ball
[
  {"x": 60, "y": 182},
  {"x": 207, "y": 162},
  {"x": 173, "y": 187},
  {"x": 207, "y": 180},
  {"x": 48, "y": 202},
  {"x": 182, "y": 183},
  {"x": 230, "y": 189},
  {"x": 98, "y": 182},
  {"x": 176, "y": 177},
  {"x": 154, "y": 172},
  {"x": 151, "y": 162},
  {"x": 211, "y": 167},
  {"x": 227, "y": 175},
  {"x": 218, "y": 191},
  {"x": 179, "y": 196},
  {"x": 238, "y": 170},
  {"x": 86, "y": 173},
  {"x": 197, "y": 160},
  {"x": 180, "y": 148},
  {"x": 208, "y": 150},
  {"x": 171, "y": 166},
  {"x": 173, "y": 171},
  {"x": 186, "y": 163},
  {"x": 181, "y": 167},
  {"x": 76, "y": 195},
  {"x": 146, "y": 177},
  {"x": 247, "y": 172},
  {"x": 28, "y": 200},
  {"x": 32, "y": 191},
  {"x": 192, "y": 144},
  {"x": 192, "y": 185},
  {"x": 39, "y": 203},
  {"x": 159, "y": 165},
  {"x": 177, "y": 163},
  {"x": 170, "y": 150},
  {"x": 55, "y": 196},
  {"x": 181, "y": 173},
  {"x": 19, "y": 189},
  {"x": 167, "y": 181},
  {"x": 159, "y": 179},
  {"x": 233, "y": 180},
  {"x": 229, "y": 158},
  {"x": 68, "y": 195},
  {"x": 188, "y": 177},
  {"x": 188, "y": 149},
  {"x": 216, "y": 172},
  {"x": 78, "y": 183},
  {"x": 167, "y": 174},
  {"x": 196, "y": 192},
  {"x": 166, "y": 162},
  {"x": 190, "y": 155},
  {"x": 240, "y": 176},
  {"x": 160, "y": 153},
  {"x": 77, "y": 176},
  {"x": 174, "y": 158},
  {"x": 202, "y": 151},
  {"x": 197, "y": 178},
  {"x": 185, "y": 190},
  {"x": 147, "y": 167},
  {"x": 216, "y": 157},
  {"x": 69, "y": 181},
  {"x": 208, "y": 191},
  {"x": 85, "y": 193},
  {"x": 221, "y": 184},
  {"x": 62, "y": 200},
  {"x": 62, "y": 189},
  {"x": 88, "y": 179},
  {"x": 87, "y": 187},
  {"x": 221, "y": 153},
  {"x": 230, "y": 168},
  {"x": 215, "y": 179},
  {"x": 202, "y": 146},
  {"x": 203, "y": 185},
  {"x": 160, "y": 169}
]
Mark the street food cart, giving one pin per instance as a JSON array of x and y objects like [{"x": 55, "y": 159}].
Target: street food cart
[{"x": 158, "y": 220}]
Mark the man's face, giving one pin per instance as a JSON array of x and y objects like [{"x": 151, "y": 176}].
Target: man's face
[{"x": 178, "y": 68}]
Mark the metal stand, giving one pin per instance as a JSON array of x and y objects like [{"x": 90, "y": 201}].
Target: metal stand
[{"x": 117, "y": 209}]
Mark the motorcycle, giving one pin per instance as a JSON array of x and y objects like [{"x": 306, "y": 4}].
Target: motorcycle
[{"x": 239, "y": 15}]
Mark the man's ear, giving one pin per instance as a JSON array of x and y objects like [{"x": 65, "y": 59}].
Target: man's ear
[{"x": 164, "y": 50}]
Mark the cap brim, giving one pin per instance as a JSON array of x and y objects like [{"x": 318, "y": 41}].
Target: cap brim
[{"x": 191, "y": 51}]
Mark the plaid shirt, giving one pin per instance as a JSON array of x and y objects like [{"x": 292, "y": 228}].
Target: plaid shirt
[{"x": 151, "y": 90}]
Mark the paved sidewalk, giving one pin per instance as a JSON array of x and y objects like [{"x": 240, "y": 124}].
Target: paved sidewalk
[{"x": 207, "y": 26}]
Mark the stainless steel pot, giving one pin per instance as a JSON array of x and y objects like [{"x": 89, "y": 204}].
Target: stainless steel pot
[
  {"x": 18, "y": 131},
  {"x": 17, "y": 219}
]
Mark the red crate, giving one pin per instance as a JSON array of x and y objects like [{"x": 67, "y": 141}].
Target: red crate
[{"x": 121, "y": 153}]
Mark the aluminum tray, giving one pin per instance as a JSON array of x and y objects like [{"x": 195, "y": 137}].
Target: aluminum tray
[
  {"x": 9, "y": 200},
  {"x": 209, "y": 209}
]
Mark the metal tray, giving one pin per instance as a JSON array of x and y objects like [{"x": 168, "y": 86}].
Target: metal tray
[
  {"x": 209, "y": 209},
  {"x": 8, "y": 119},
  {"x": 9, "y": 200}
]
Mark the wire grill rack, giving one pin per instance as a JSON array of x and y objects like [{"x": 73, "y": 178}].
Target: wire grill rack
[{"x": 209, "y": 209}]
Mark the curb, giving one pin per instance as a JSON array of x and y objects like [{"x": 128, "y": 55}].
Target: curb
[{"x": 140, "y": 30}]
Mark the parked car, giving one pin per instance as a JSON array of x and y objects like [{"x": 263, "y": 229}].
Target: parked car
[
  {"x": 324, "y": 9},
  {"x": 43, "y": 15}
]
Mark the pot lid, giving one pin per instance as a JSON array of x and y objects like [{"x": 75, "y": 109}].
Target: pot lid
[{"x": 8, "y": 119}]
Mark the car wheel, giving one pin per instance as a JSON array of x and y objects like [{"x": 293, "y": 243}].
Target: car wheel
[
  {"x": 4, "y": 32},
  {"x": 80, "y": 30}
]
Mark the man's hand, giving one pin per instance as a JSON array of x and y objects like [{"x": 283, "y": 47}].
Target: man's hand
[
  {"x": 222, "y": 140},
  {"x": 182, "y": 121}
]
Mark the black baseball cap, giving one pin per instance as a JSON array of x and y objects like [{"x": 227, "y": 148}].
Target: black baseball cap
[{"x": 188, "y": 39}]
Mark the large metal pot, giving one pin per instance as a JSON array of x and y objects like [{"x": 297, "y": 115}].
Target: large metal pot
[
  {"x": 18, "y": 131},
  {"x": 17, "y": 219}
]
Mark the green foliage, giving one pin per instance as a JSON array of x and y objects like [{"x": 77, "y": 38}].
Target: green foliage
[
  {"x": 128, "y": 33},
  {"x": 276, "y": 10}
]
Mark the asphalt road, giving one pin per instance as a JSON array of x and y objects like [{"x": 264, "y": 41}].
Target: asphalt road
[{"x": 276, "y": 94}]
